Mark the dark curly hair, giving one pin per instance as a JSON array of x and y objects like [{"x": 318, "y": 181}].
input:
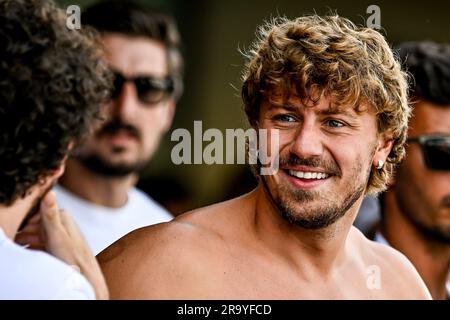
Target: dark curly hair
[
  {"x": 130, "y": 18},
  {"x": 52, "y": 84},
  {"x": 429, "y": 64}
]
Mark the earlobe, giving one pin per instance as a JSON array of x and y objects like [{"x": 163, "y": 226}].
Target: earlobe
[
  {"x": 384, "y": 148},
  {"x": 57, "y": 173},
  {"x": 53, "y": 176},
  {"x": 60, "y": 171}
]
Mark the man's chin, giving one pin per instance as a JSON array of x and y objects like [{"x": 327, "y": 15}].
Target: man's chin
[
  {"x": 438, "y": 233},
  {"x": 315, "y": 210},
  {"x": 310, "y": 216}
]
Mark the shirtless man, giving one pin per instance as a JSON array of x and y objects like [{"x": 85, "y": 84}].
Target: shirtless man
[{"x": 338, "y": 97}]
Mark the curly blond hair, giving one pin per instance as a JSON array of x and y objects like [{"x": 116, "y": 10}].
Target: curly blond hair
[{"x": 333, "y": 57}]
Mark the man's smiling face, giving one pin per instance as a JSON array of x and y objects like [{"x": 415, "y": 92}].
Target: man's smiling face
[{"x": 326, "y": 155}]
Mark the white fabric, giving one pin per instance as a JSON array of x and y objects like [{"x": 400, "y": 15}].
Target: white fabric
[
  {"x": 380, "y": 239},
  {"x": 102, "y": 226},
  {"x": 34, "y": 275}
]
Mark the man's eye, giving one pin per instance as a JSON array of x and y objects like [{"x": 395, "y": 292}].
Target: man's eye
[
  {"x": 335, "y": 123},
  {"x": 285, "y": 118}
]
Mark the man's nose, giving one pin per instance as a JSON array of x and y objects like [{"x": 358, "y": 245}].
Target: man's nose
[
  {"x": 307, "y": 142},
  {"x": 126, "y": 104}
]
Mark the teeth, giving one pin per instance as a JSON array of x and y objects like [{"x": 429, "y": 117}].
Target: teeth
[{"x": 308, "y": 175}]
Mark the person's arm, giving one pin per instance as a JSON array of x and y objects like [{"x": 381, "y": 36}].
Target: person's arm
[
  {"x": 134, "y": 267},
  {"x": 162, "y": 261}
]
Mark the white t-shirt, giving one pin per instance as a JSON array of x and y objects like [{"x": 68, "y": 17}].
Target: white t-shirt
[
  {"x": 102, "y": 226},
  {"x": 35, "y": 275}
]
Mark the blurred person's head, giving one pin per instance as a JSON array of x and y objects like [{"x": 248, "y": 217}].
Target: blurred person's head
[
  {"x": 52, "y": 85},
  {"x": 141, "y": 47},
  {"x": 422, "y": 185},
  {"x": 338, "y": 96}
]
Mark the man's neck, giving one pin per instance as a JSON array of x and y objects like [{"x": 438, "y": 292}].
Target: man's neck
[
  {"x": 431, "y": 259},
  {"x": 12, "y": 216},
  {"x": 321, "y": 250},
  {"x": 102, "y": 190}
]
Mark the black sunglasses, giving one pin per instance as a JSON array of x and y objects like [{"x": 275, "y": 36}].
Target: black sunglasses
[
  {"x": 435, "y": 151},
  {"x": 150, "y": 90}
]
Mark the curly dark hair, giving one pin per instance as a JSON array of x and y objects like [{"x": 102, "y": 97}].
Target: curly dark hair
[
  {"x": 52, "y": 85},
  {"x": 132, "y": 19},
  {"x": 429, "y": 64}
]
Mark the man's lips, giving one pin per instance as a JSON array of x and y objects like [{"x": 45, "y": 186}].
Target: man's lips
[
  {"x": 306, "y": 178},
  {"x": 121, "y": 138},
  {"x": 306, "y": 169}
]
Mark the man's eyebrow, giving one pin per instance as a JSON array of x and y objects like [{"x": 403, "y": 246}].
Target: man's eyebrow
[
  {"x": 327, "y": 112},
  {"x": 291, "y": 107},
  {"x": 281, "y": 105},
  {"x": 335, "y": 111}
]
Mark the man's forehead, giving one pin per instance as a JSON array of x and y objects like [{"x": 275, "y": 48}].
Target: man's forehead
[
  {"x": 429, "y": 118},
  {"x": 135, "y": 56}
]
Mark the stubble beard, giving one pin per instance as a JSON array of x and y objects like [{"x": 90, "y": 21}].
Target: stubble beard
[
  {"x": 433, "y": 233},
  {"x": 327, "y": 212},
  {"x": 97, "y": 164},
  {"x": 100, "y": 164}
]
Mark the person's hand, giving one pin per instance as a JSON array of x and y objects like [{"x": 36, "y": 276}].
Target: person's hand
[
  {"x": 32, "y": 236},
  {"x": 55, "y": 231}
]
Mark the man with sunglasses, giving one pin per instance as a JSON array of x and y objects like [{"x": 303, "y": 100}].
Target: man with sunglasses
[
  {"x": 141, "y": 47},
  {"x": 415, "y": 211}
]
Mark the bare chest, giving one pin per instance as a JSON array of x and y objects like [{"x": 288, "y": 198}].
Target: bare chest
[{"x": 247, "y": 278}]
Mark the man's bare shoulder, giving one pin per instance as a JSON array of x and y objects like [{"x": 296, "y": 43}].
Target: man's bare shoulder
[
  {"x": 167, "y": 254},
  {"x": 189, "y": 229},
  {"x": 151, "y": 240},
  {"x": 399, "y": 278}
]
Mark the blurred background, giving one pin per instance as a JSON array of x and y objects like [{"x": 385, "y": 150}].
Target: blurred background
[{"x": 212, "y": 33}]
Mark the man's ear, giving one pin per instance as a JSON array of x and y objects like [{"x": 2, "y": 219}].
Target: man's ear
[
  {"x": 384, "y": 147},
  {"x": 57, "y": 173},
  {"x": 169, "y": 114}
]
